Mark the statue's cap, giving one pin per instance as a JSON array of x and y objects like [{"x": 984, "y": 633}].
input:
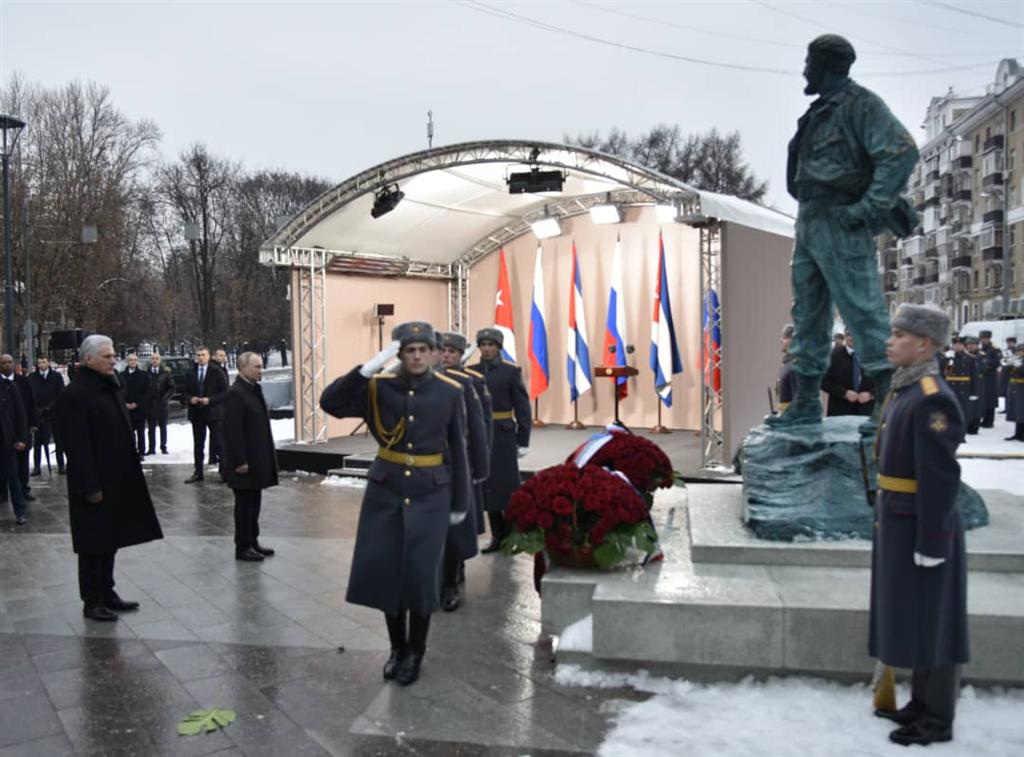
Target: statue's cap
[{"x": 833, "y": 46}]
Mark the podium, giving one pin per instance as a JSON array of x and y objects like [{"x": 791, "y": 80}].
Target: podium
[{"x": 615, "y": 372}]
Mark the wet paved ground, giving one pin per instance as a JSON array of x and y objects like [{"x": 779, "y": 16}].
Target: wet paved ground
[{"x": 263, "y": 639}]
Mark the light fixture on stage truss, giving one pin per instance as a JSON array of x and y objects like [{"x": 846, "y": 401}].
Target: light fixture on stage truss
[
  {"x": 385, "y": 200},
  {"x": 535, "y": 180},
  {"x": 606, "y": 213},
  {"x": 666, "y": 213},
  {"x": 546, "y": 227}
]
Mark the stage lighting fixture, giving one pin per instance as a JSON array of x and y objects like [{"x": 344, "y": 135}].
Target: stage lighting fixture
[
  {"x": 607, "y": 213},
  {"x": 665, "y": 213},
  {"x": 535, "y": 180},
  {"x": 385, "y": 200},
  {"x": 546, "y": 227}
]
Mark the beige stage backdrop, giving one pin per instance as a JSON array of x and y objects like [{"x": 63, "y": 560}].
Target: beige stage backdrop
[{"x": 754, "y": 296}]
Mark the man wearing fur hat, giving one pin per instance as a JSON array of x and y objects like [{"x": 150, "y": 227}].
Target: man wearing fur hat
[
  {"x": 848, "y": 163},
  {"x": 418, "y": 486},
  {"x": 918, "y": 617},
  {"x": 511, "y": 427}
]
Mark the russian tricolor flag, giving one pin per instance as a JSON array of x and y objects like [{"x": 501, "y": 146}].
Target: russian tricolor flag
[
  {"x": 665, "y": 361},
  {"x": 503, "y": 311},
  {"x": 711, "y": 361},
  {"x": 615, "y": 325},
  {"x": 538, "y": 348},
  {"x": 578, "y": 363}
]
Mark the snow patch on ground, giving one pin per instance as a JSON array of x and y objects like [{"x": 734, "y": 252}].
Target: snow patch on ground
[
  {"x": 344, "y": 482},
  {"x": 578, "y": 637},
  {"x": 784, "y": 716},
  {"x": 981, "y": 473}
]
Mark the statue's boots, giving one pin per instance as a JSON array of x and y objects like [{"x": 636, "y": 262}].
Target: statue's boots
[
  {"x": 882, "y": 379},
  {"x": 804, "y": 409}
]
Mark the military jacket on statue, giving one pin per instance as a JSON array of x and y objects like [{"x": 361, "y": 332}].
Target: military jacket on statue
[
  {"x": 510, "y": 411},
  {"x": 919, "y": 615},
  {"x": 421, "y": 475},
  {"x": 962, "y": 376}
]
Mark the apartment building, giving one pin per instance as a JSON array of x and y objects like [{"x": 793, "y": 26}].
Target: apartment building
[{"x": 967, "y": 255}]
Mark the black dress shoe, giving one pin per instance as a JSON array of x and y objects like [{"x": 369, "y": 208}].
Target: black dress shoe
[
  {"x": 99, "y": 612},
  {"x": 494, "y": 546},
  {"x": 117, "y": 604},
  {"x": 265, "y": 551},
  {"x": 249, "y": 555},
  {"x": 392, "y": 664},
  {"x": 408, "y": 669},
  {"x": 36, "y": 472},
  {"x": 927, "y": 730},
  {"x": 21, "y": 520},
  {"x": 194, "y": 478},
  {"x": 61, "y": 471},
  {"x": 28, "y": 498},
  {"x": 450, "y": 598},
  {"x": 905, "y": 715},
  {"x": 163, "y": 451}
]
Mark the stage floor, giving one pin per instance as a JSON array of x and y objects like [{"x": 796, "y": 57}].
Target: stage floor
[{"x": 548, "y": 446}]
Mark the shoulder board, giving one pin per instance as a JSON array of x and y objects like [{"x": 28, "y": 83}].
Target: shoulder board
[
  {"x": 929, "y": 385},
  {"x": 448, "y": 380},
  {"x": 383, "y": 375},
  {"x": 474, "y": 374},
  {"x": 509, "y": 362},
  {"x": 454, "y": 372}
]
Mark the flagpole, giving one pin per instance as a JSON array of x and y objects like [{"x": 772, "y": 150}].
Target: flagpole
[
  {"x": 575, "y": 425},
  {"x": 659, "y": 429},
  {"x": 537, "y": 422}
]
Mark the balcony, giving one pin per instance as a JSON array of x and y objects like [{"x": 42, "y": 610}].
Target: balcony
[
  {"x": 890, "y": 262},
  {"x": 961, "y": 262},
  {"x": 992, "y": 180},
  {"x": 995, "y": 142},
  {"x": 992, "y": 254},
  {"x": 931, "y": 278},
  {"x": 907, "y": 262},
  {"x": 918, "y": 281},
  {"x": 932, "y": 175},
  {"x": 993, "y": 217},
  {"x": 961, "y": 195}
]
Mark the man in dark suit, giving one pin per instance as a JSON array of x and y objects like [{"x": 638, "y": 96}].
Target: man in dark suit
[
  {"x": 205, "y": 388},
  {"x": 28, "y": 402},
  {"x": 161, "y": 389},
  {"x": 250, "y": 460},
  {"x": 849, "y": 390},
  {"x": 46, "y": 385},
  {"x": 136, "y": 391},
  {"x": 511, "y": 419},
  {"x": 107, "y": 493},
  {"x": 13, "y": 440},
  {"x": 219, "y": 359}
]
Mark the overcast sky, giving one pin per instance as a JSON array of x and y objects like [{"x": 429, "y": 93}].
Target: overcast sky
[{"x": 334, "y": 87}]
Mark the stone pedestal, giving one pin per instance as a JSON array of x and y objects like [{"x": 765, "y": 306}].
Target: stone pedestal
[{"x": 808, "y": 483}]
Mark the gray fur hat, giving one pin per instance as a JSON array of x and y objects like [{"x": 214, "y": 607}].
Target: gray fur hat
[
  {"x": 413, "y": 331},
  {"x": 923, "y": 320},
  {"x": 490, "y": 334},
  {"x": 455, "y": 341},
  {"x": 788, "y": 331}
]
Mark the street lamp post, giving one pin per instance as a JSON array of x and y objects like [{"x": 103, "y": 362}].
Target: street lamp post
[{"x": 13, "y": 125}]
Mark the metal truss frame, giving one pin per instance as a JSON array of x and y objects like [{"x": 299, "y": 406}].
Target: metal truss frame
[
  {"x": 312, "y": 343},
  {"x": 712, "y": 438}
]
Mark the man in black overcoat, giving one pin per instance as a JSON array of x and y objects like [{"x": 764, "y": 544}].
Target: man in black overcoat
[
  {"x": 46, "y": 385},
  {"x": 417, "y": 487},
  {"x": 28, "y": 402},
  {"x": 1013, "y": 365},
  {"x": 107, "y": 493},
  {"x": 512, "y": 421},
  {"x": 977, "y": 400},
  {"x": 461, "y": 543},
  {"x": 136, "y": 392},
  {"x": 961, "y": 374},
  {"x": 250, "y": 459},
  {"x": 990, "y": 358},
  {"x": 918, "y": 615},
  {"x": 13, "y": 439},
  {"x": 161, "y": 389},
  {"x": 850, "y": 391},
  {"x": 205, "y": 387},
  {"x": 219, "y": 359}
]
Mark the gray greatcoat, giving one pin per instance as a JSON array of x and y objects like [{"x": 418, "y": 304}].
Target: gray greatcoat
[
  {"x": 462, "y": 537},
  {"x": 1014, "y": 393},
  {"x": 508, "y": 394},
  {"x": 396, "y": 563},
  {"x": 919, "y": 615}
]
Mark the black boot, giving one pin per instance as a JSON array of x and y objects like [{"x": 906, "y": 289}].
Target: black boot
[
  {"x": 497, "y": 523},
  {"x": 924, "y": 731},
  {"x": 397, "y": 636},
  {"x": 905, "y": 715},
  {"x": 409, "y": 669}
]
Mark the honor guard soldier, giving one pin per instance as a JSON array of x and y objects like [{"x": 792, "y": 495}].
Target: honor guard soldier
[
  {"x": 1004, "y": 372},
  {"x": 990, "y": 358},
  {"x": 962, "y": 376},
  {"x": 1014, "y": 369},
  {"x": 785, "y": 387},
  {"x": 417, "y": 487},
  {"x": 918, "y": 616},
  {"x": 978, "y": 400},
  {"x": 511, "y": 421},
  {"x": 461, "y": 543}
]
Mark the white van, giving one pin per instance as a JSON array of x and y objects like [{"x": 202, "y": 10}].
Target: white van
[{"x": 1000, "y": 330}]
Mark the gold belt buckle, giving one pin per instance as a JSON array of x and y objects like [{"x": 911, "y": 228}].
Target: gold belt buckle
[{"x": 410, "y": 460}]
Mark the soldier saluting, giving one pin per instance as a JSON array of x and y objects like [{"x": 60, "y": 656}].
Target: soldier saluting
[
  {"x": 417, "y": 486},
  {"x": 512, "y": 420},
  {"x": 918, "y": 616}
]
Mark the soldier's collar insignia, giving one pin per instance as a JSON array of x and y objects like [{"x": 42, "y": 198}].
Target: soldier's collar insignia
[{"x": 938, "y": 422}]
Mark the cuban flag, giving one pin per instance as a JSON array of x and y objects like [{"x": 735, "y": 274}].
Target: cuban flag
[
  {"x": 578, "y": 362},
  {"x": 615, "y": 325},
  {"x": 503, "y": 311},
  {"x": 711, "y": 359},
  {"x": 665, "y": 361},
  {"x": 538, "y": 347}
]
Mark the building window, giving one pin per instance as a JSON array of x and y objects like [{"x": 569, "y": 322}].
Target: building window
[
  {"x": 977, "y": 142},
  {"x": 1013, "y": 120},
  {"x": 975, "y": 279}
]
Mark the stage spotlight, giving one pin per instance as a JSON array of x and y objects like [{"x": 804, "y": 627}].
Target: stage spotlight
[
  {"x": 535, "y": 180},
  {"x": 665, "y": 213},
  {"x": 606, "y": 213},
  {"x": 385, "y": 200},
  {"x": 546, "y": 227}
]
